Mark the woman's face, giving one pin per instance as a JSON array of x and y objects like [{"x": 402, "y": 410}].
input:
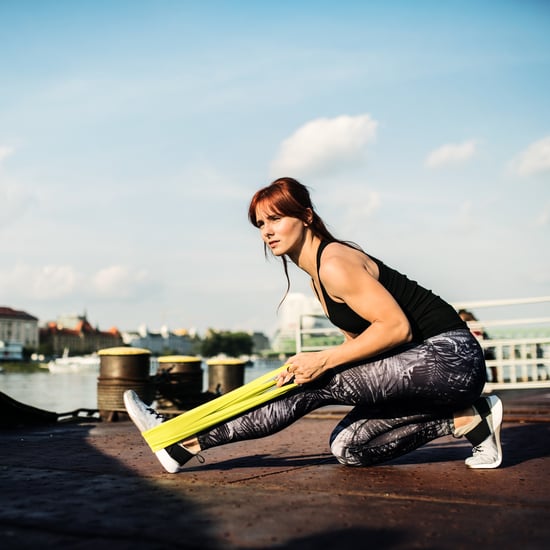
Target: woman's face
[{"x": 282, "y": 234}]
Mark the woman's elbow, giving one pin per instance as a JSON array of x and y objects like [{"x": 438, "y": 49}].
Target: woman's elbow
[
  {"x": 396, "y": 333},
  {"x": 403, "y": 332}
]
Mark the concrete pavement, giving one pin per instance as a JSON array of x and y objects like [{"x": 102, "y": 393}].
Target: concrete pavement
[{"x": 89, "y": 484}]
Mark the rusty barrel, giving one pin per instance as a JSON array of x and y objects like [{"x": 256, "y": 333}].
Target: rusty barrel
[
  {"x": 179, "y": 382},
  {"x": 225, "y": 375},
  {"x": 121, "y": 369}
]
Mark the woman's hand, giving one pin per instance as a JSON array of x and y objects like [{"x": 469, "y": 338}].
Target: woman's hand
[
  {"x": 303, "y": 367},
  {"x": 284, "y": 377}
]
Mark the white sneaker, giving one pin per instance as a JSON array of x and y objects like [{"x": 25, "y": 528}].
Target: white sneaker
[
  {"x": 145, "y": 418},
  {"x": 488, "y": 453}
]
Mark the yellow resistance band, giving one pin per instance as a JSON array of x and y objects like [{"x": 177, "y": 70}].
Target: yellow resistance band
[{"x": 213, "y": 412}]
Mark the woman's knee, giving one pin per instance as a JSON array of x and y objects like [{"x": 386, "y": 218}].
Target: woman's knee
[{"x": 343, "y": 452}]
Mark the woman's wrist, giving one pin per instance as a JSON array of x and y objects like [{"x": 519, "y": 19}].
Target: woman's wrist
[{"x": 326, "y": 360}]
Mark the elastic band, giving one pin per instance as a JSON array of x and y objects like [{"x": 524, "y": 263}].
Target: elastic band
[{"x": 218, "y": 410}]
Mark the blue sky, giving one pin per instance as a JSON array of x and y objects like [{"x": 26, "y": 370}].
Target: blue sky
[{"x": 133, "y": 134}]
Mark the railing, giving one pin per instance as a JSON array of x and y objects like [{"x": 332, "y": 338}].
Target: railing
[
  {"x": 518, "y": 362},
  {"x": 317, "y": 335},
  {"x": 512, "y": 362}
]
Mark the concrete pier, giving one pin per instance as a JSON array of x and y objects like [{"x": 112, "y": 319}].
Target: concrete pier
[{"x": 96, "y": 484}]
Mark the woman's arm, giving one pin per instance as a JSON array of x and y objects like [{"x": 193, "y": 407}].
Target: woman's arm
[{"x": 347, "y": 277}]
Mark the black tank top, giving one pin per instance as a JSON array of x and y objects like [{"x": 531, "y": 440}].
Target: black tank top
[{"x": 427, "y": 313}]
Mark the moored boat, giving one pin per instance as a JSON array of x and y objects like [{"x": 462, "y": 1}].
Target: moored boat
[{"x": 76, "y": 364}]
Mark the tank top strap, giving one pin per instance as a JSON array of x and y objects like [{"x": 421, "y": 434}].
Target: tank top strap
[
  {"x": 322, "y": 288},
  {"x": 319, "y": 252}
]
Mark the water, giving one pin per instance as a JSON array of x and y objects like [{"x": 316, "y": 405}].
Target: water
[
  {"x": 58, "y": 393},
  {"x": 66, "y": 392}
]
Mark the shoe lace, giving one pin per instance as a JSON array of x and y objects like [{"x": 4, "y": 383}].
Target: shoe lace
[{"x": 156, "y": 414}]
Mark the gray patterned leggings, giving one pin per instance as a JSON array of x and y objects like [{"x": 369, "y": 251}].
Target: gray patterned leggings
[{"x": 401, "y": 401}]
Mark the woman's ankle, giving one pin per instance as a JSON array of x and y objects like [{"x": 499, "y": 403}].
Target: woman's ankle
[
  {"x": 192, "y": 445},
  {"x": 464, "y": 421}
]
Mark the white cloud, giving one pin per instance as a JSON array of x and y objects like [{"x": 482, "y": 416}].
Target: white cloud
[
  {"x": 5, "y": 152},
  {"x": 119, "y": 281},
  {"x": 324, "y": 143},
  {"x": 451, "y": 153},
  {"x": 534, "y": 159},
  {"x": 43, "y": 283},
  {"x": 54, "y": 282}
]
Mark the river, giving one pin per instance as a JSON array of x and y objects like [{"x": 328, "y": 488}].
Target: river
[{"x": 66, "y": 392}]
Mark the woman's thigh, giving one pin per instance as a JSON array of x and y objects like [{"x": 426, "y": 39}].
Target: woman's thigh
[{"x": 447, "y": 370}]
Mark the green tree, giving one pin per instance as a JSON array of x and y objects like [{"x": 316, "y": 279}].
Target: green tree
[{"x": 232, "y": 344}]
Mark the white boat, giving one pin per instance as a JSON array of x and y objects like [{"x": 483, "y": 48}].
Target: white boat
[{"x": 76, "y": 364}]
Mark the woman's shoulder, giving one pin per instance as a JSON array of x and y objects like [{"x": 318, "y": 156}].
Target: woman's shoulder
[
  {"x": 341, "y": 260},
  {"x": 337, "y": 255},
  {"x": 341, "y": 250}
]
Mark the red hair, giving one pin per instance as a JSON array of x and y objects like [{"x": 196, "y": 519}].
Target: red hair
[{"x": 288, "y": 197}]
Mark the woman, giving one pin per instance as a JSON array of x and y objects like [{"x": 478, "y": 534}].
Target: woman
[{"x": 409, "y": 365}]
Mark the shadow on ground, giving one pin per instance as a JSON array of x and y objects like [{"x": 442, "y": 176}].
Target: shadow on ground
[{"x": 59, "y": 491}]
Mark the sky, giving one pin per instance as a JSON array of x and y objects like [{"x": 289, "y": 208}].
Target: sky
[{"x": 134, "y": 133}]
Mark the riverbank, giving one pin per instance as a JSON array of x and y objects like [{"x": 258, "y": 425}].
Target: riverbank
[
  {"x": 84, "y": 485},
  {"x": 66, "y": 391},
  {"x": 22, "y": 366}
]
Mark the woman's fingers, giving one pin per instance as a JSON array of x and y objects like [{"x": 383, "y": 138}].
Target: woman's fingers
[{"x": 284, "y": 377}]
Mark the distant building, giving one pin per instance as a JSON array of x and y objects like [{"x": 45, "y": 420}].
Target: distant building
[
  {"x": 18, "y": 330},
  {"x": 177, "y": 342},
  {"x": 10, "y": 351},
  {"x": 77, "y": 335}
]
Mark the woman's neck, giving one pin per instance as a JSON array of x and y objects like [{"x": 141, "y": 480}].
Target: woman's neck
[{"x": 306, "y": 256}]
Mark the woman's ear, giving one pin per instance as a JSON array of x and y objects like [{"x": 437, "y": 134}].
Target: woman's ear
[{"x": 309, "y": 217}]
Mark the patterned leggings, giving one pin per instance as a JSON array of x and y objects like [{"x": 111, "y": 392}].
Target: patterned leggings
[{"x": 401, "y": 401}]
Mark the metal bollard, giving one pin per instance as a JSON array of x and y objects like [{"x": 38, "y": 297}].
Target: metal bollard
[
  {"x": 225, "y": 375},
  {"x": 179, "y": 382},
  {"x": 122, "y": 369}
]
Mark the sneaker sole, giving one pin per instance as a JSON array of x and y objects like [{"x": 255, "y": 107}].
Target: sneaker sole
[{"x": 168, "y": 463}]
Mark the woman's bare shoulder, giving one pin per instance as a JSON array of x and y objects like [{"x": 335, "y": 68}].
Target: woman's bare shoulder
[{"x": 341, "y": 260}]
